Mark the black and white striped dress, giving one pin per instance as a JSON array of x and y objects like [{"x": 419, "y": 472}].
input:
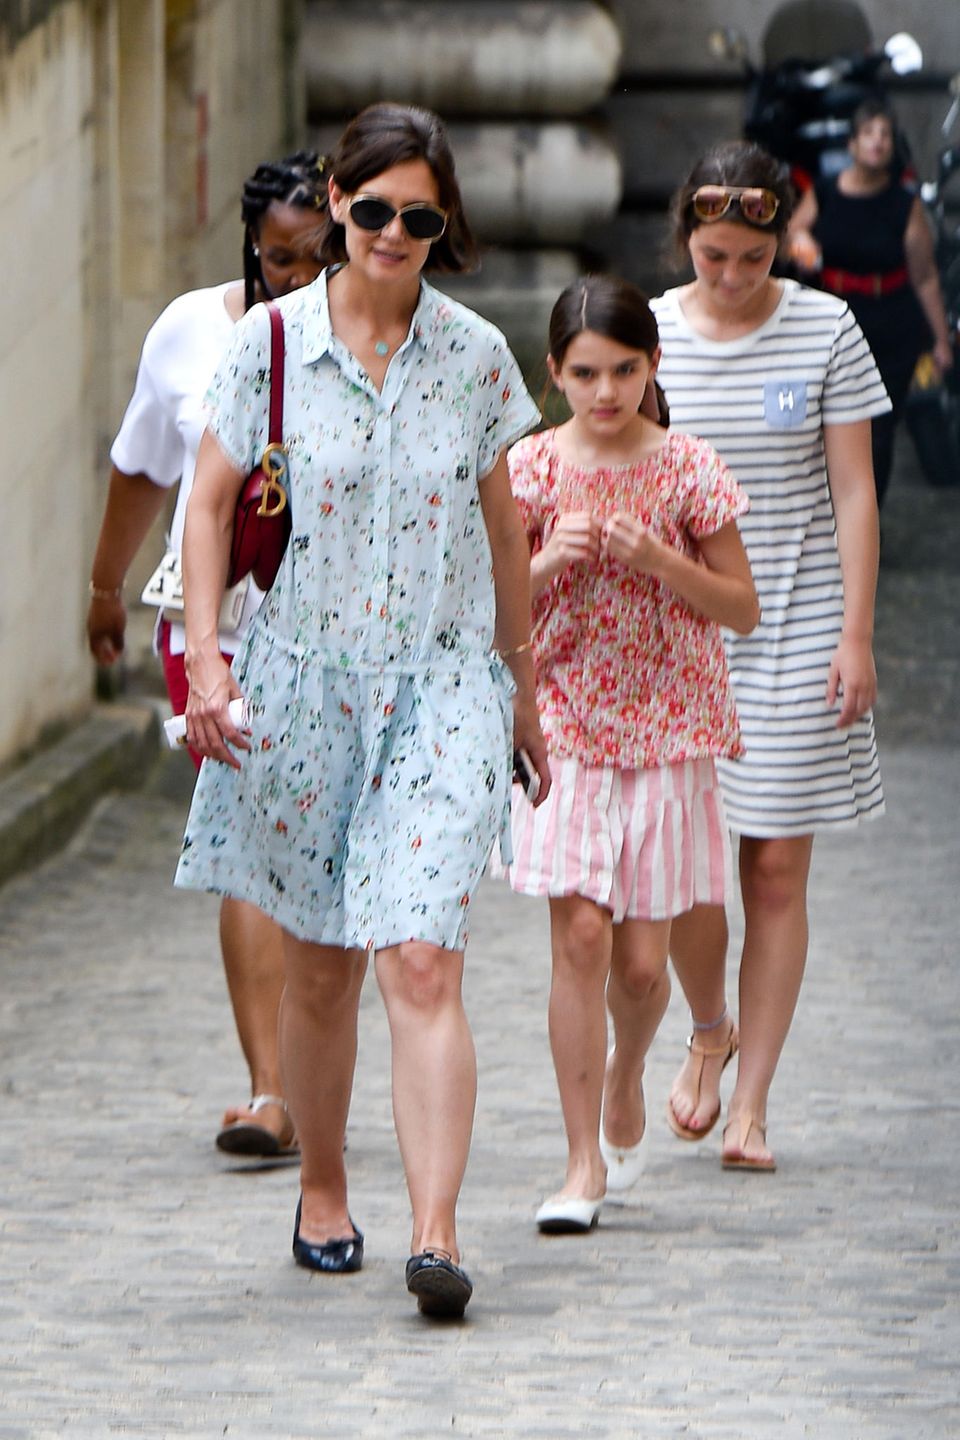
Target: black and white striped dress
[{"x": 762, "y": 401}]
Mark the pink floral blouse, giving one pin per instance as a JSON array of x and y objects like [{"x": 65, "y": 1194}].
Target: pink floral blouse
[{"x": 628, "y": 675}]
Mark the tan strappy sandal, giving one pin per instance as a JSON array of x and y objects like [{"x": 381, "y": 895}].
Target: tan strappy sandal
[
  {"x": 704, "y": 1052},
  {"x": 738, "y": 1160},
  {"x": 248, "y": 1137}
]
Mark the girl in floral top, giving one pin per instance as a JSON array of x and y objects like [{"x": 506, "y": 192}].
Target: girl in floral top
[{"x": 636, "y": 562}]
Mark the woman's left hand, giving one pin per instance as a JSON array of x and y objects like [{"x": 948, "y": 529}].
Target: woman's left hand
[
  {"x": 528, "y": 736},
  {"x": 852, "y": 679}
]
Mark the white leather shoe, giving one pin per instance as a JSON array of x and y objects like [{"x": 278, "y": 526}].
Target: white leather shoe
[
  {"x": 625, "y": 1165},
  {"x": 563, "y": 1215}
]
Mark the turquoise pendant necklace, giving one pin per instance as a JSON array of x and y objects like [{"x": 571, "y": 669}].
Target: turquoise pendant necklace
[{"x": 382, "y": 348}]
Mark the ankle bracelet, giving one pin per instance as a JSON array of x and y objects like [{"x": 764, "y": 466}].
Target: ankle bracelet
[{"x": 713, "y": 1023}]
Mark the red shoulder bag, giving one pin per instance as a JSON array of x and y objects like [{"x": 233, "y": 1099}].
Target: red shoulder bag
[{"x": 262, "y": 523}]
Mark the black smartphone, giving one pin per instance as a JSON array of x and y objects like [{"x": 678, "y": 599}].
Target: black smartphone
[{"x": 525, "y": 775}]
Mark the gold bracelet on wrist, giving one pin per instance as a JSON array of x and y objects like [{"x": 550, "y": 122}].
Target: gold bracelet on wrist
[
  {"x": 96, "y": 593},
  {"x": 515, "y": 650}
]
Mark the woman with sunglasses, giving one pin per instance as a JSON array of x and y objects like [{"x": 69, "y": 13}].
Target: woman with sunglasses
[
  {"x": 780, "y": 380},
  {"x": 360, "y": 806}
]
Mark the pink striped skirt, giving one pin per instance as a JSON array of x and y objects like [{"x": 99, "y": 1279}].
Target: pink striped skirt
[{"x": 645, "y": 844}]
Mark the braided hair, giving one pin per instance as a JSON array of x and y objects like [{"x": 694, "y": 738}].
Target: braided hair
[{"x": 296, "y": 180}]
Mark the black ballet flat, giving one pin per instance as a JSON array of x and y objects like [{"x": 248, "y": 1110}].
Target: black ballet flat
[
  {"x": 336, "y": 1257},
  {"x": 441, "y": 1287}
]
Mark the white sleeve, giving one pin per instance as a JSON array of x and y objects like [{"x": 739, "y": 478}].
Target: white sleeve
[{"x": 148, "y": 440}]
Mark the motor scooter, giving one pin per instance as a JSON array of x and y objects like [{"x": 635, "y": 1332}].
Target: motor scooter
[{"x": 801, "y": 100}]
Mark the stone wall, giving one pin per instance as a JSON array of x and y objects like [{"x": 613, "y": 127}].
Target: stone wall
[
  {"x": 126, "y": 127},
  {"x": 520, "y": 83}
]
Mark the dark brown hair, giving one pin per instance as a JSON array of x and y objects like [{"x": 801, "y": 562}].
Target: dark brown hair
[
  {"x": 607, "y": 306},
  {"x": 872, "y": 109},
  {"x": 380, "y": 137},
  {"x": 737, "y": 162}
]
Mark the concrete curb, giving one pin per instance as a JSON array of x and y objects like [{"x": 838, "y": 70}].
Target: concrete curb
[{"x": 43, "y": 801}]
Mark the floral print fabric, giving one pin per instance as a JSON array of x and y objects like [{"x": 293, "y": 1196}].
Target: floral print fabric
[
  {"x": 382, "y": 725},
  {"x": 628, "y": 675}
]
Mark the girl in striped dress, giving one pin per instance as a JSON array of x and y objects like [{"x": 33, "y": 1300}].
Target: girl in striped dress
[
  {"x": 780, "y": 379},
  {"x": 636, "y": 561}
]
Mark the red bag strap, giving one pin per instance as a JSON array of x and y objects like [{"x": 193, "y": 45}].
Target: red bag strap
[{"x": 276, "y": 373}]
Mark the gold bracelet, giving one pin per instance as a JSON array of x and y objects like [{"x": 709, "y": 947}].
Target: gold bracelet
[
  {"x": 515, "y": 650},
  {"x": 97, "y": 594}
]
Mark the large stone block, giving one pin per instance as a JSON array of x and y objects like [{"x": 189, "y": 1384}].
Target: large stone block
[
  {"x": 660, "y": 133},
  {"x": 480, "y": 57},
  {"x": 546, "y": 184},
  {"x": 637, "y": 246}
]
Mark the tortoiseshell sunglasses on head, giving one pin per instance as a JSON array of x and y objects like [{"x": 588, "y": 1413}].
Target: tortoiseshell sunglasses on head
[{"x": 757, "y": 205}]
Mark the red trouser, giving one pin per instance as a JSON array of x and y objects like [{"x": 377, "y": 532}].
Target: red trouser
[{"x": 175, "y": 675}]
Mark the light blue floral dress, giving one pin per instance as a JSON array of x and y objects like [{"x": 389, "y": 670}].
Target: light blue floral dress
[{"x": 382, "y": 726}]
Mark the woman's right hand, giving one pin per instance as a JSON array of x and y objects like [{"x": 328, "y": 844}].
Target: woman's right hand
[
  {"x": 210, "y": 731},
  {"x": 804, "y": 251}
]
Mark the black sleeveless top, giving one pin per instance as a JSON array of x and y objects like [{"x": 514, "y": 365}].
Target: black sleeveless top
[
  {"x": 865, "y": 235},
  {"x": 862, "y": 233}
]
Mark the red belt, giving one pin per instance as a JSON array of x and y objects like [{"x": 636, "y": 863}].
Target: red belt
[{"x": 846, "y": 282}]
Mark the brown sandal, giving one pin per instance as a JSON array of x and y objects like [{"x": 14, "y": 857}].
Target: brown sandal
[
  {"x": 250, "y": 1138},
  {"x": 740, "y": 1161},
  {"x": 705, "y": 1052}
]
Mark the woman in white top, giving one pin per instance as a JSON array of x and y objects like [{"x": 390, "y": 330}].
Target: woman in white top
[
  {"x": 780, "y": 380},
  {"x": 156, "y": 448},
  {"x": 361, "y": 805}
]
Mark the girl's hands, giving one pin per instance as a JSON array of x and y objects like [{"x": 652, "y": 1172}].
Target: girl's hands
[
  {"x": 852, "y": 672},
  {"x": 579, "y": 538},
  {"x": 628, "y": 541},
  {"x": 575, "y": 541},
  {"x": 209, "y": 727}
]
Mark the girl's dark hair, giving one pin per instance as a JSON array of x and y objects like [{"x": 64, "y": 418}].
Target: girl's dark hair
[
  {"x": 737, "y": 162},
  {"x": 299, "y": 180},
  {"x": 611, "y": 307},
  {"x": 380, "y": 137},
  {"x": 608, "y": 306}
]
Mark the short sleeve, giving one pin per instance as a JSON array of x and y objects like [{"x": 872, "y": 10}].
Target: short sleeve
[
  {"x": 509, "y": 410},
  {"x": 529, "y": 469},
  {"x": 852, "y": 387},
  {"x": 712, "y": 497},
  {"x": 148, "y": 442},
  {"x": 237, "y": 402}
]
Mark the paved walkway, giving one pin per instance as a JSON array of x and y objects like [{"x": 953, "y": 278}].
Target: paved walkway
[{"x": 146, "y": 1285}]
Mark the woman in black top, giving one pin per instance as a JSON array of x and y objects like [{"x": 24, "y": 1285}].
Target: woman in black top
[{"x": 868, "y": 237}]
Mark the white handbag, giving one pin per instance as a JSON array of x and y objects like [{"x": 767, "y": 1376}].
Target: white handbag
[{"x": 164, "y": 589}]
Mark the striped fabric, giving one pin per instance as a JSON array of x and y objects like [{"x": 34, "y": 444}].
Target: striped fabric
[
  {"x": 762, "y": 401},
  {"x": 645, "y": 844}
]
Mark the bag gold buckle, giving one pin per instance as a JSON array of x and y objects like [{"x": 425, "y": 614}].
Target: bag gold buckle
[{"x": 273, "y": 496}]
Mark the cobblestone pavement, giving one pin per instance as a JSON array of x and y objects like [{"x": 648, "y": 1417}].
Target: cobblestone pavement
[{"x": 146, "y": 1284}]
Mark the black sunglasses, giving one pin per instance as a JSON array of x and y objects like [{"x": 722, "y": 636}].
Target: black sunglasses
[{"x": 420, "y": 220}]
